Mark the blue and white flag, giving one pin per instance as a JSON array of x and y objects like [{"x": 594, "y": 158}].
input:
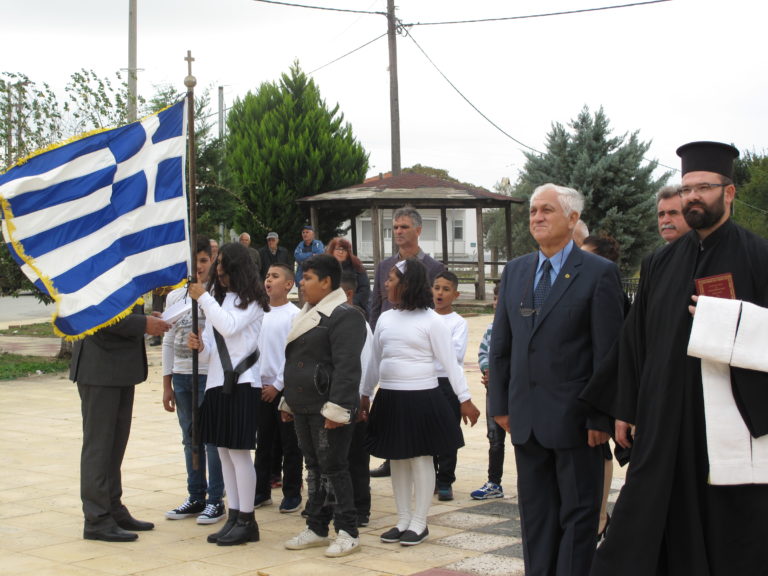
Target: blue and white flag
[{"x": 98, "y": 222}]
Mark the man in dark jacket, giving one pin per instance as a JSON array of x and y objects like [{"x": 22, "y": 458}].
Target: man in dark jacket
[
  {"x": 107, "y": 366},
  {"x": 322, "y": 378}
]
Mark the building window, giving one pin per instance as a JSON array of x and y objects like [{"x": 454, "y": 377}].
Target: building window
[{"x": 458, "y": 229}]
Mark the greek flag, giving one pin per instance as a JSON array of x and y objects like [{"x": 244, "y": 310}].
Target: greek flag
[{"x": 98, "y": 222}]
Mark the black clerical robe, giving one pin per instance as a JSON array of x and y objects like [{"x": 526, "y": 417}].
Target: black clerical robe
[{"x": 667, "y": 519}]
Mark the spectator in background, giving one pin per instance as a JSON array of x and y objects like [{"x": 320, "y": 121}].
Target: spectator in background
[
  {"x": 305, "y": 249},
  {"x": 669, "y": 210},
  {"x": 245, "y": 240},
  {"x": 341, "y": 249},
  {"x": 272, "y": 254}
]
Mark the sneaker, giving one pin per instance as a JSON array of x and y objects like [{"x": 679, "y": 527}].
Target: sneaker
[
  {"x": 344, "y": 545},
  {"x": 410, "y": 538},
  {"x": 290, "y": 504},
  {"x": 488, "y": 491},
  {"x": 276, "y": 481},
  {"x": 261, "y": 500},
  {"x": 362, "y": 520},
  {"x": 187, "y": 510},
  {"x": 212, "y": 514},
  {"x": 306, "y": 539},
  {"x": 445, "y": 493}
]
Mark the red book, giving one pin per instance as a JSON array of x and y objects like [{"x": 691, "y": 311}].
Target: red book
[{"x": 720, "y": 286}]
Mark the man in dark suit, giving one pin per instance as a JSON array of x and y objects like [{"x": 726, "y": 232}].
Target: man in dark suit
[
  {"x": 559, "y": 310},
  {"x": 106, "y": 366}
]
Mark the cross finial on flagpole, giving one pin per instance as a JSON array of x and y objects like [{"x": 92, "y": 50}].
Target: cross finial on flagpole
[{"x": 190, "y": 81}]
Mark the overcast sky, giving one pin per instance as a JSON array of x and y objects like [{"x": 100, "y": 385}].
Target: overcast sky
[{"x": 674, "y": 71}]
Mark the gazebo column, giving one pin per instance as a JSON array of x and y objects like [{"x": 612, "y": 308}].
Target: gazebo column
[
  {"x": 444, "y": 230},
  {"x": 376, "y": 235},
  {"x": 480, "y": 290}
]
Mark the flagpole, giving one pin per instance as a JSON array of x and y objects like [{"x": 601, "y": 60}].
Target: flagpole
[{"x": 190, "y": 82}]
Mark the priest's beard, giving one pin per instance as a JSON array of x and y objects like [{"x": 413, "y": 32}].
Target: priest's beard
[{"x": 707, "y": 215}]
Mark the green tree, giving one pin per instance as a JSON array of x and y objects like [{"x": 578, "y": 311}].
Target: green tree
[
  {"x": 612, "y": 173},
  {"x": 495, "y": 227},
  {"x": 750, "y": 208},
  {"x": 284, "y": 143}
]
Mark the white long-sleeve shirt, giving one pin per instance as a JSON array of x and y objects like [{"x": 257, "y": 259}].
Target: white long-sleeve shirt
[
  {"x": 240, "y": 329},
  {"x": 406, "y": 344},
  {"x": 459, "y": 335},
  {"x": 177, "y": 356},
  {"x": 274, "y": 335}
]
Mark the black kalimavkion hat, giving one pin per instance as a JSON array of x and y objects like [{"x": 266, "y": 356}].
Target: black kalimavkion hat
[{"x": 708, "y": 157}]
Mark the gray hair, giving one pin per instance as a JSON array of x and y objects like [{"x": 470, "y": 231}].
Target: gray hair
[
  {"x": 571, "y": 200},
  {"x": 408, "y": 211},
  {"x": 666, "y": 192}
]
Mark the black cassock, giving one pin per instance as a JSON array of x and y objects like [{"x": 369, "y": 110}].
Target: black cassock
[{"x": 667, "y": 519}]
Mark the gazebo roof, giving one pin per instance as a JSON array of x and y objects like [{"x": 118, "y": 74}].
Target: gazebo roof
[{"x": 418, "y": 190}]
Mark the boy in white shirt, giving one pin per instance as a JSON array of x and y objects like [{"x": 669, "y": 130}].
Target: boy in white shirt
[
  {"x": 177, "y": 397},
  {"x": 445, "y": 290},
  {"x": 274, "y": 334}
]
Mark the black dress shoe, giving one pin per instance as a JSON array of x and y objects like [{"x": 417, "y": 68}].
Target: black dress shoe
[
  {"x": 382, "y": 471},
  {"x": 130, "y": 523},
  {"x": 113, "y": 534}
]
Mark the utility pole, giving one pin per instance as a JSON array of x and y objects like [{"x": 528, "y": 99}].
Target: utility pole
[
  {"x": 221, "y": 112},
  {"x": 132, "y": 71},
  {"x": 394, "y": 99}
]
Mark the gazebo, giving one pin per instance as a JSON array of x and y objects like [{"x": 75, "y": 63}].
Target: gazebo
[{"x": 419, "y": 191}]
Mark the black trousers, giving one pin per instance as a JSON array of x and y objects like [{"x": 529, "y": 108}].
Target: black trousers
[
  {"x": 107, "y": 413},
  {"x": 559, "y": 494},
  {"x": 326, "y": 453},
  {"x": 445, "y": 464},
  {"x": 271, "y": 431},
  {"x": 359, "y": 469}
]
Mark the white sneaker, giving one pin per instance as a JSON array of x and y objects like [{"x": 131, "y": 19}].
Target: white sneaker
[
  {"x": 343, "y": 545},
  {"x": 306, "y": 539}
]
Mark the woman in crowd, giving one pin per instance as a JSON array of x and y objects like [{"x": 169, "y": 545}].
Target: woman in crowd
[
  {"x": 341, "y": 249},
  {"x": 411, "y": 420},
  {"x": 234, "y": 308}
]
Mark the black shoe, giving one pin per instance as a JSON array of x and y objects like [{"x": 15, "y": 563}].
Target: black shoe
[
  {"x": 392, "y": 535},
  {"x": 410, "y": 538},
  {"x": 382, "y": 471},
  {"x": 130, "y": 523},
  {"x": 230, "y": 523},
  {"x": 113, "y": 534},
  {"x": 245, "y": 530},
  {"x": 362, "y": 520}
]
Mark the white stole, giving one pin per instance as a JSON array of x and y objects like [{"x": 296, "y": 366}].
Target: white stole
[{"x": 730, "y": 333}]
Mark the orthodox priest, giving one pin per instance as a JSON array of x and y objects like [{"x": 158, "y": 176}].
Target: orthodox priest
[{"x": 671, "y": 517}]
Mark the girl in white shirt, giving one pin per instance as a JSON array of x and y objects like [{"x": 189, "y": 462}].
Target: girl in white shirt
[
  {"x": 235, "y": 308},
  {"x": 411, "y": 420}
]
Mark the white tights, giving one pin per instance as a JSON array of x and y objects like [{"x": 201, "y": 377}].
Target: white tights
[
  {"x": 414, "y": 476},
  {"x": 239, "y": 478}
]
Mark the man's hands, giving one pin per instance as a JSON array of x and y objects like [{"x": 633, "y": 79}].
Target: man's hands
[
  {"x": 597, "y": 437},
  {"x": 624, "y": 432},
  {"x": 156, "y": 326}
]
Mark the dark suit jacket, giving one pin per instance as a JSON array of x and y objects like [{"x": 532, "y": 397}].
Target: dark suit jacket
[
  {"x": 540, "y": 364},
  {"x": 113, "y": 356}
]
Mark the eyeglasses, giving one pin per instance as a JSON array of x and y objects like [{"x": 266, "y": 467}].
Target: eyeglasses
[
  {"x": 702, "y": 188},
  {"x": 340, "y": 249}
]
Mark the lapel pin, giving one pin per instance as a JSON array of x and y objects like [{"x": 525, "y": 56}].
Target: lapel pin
[{"x": 567, "y": 275}]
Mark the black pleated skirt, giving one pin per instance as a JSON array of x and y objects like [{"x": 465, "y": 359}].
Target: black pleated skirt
[
  {"x": 230, "y": 420},
  {"x": 407, "y": 424}
]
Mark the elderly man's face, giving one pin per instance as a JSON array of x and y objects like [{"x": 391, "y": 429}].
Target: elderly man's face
[
  {"x": 548, "y": 223},
  {"x": 672, "y": 223},
  {"x": 272, "y": 243},
  {"x": 245, "y": 239}
]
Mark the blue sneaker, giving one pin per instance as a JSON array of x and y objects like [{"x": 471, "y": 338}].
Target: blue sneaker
[
  {"x": 488, "y": 491},
  {"x": 290, "y": 504}
]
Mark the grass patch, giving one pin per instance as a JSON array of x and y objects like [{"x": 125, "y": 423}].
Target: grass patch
[
  {"x": 40, "y": 329},
  {"x": 13, "y": 366}
]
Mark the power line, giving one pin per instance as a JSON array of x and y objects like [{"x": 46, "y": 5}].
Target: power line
[
  {"x": 542, "y": 15},
  {"x": 321, "y": 7},
  {"x": 491, "y": 122},
  {"x": 347, "y": 54},
  {"x": 763, "y": 212}
]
